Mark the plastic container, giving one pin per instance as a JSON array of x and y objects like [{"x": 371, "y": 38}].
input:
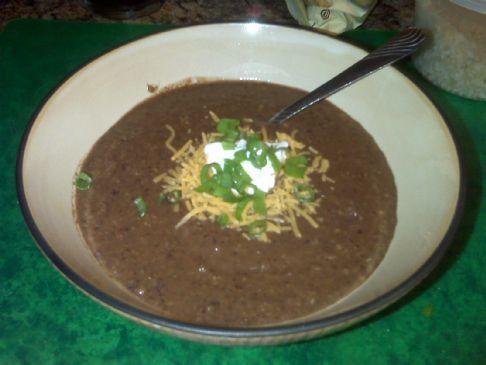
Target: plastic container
[{"x": 454, "y": 55}]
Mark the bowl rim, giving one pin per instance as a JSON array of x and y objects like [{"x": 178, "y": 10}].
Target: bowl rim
[{"x": 147, "y": 318}]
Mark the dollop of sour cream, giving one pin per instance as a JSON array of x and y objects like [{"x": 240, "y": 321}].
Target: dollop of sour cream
[{"x": 263, "y": 178}]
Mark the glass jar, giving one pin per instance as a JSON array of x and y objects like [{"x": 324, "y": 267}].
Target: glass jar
[{"x": 454, "y": 54}]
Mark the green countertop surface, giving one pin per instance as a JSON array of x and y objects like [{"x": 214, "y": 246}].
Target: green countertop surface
[{"x": 45, "y": 320}]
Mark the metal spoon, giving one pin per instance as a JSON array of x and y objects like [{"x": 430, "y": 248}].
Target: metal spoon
[{"x": 397, "y": 48}]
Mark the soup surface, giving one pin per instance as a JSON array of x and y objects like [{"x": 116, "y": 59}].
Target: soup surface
[{"x": 205, "y": 274}]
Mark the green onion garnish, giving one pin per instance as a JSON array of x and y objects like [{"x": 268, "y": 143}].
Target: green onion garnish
[
  {"x": 240, "y": 207},
  {"x": 228, "y": 145},
  {"x": 230, "y": 131},
  {"x": 259, "y": 202},
  {"x": 232, "y": 184},
  {"x": 226, "y": 125},
  {"x": 231, "y": 136},
  {"x": 295, "y": 166},
  {"x": 208, "y": 172},
  {"x": 304, "y": 193},
  {"x": 240, "y": 177},
  {"x": 257, "y": 150},
  {"x": 223, "y": 219},
  {"x": 257, "y": 228},
  {"x": 273, "y": 159},
  {"x": 240, "y": 156},
  {"x": 83, "y": 181},
  {"x": 141, "y": 206},
  {"x": 174, "y": 196},
  {"x": 223, "y": 193}
]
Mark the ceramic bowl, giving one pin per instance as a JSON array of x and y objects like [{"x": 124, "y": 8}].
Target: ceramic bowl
[{"x": 405, "y": 124}]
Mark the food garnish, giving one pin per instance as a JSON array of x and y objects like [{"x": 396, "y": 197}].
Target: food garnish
[
  {"x": 83, "y": 181},
  {"x": 239, "y": 179},
  {"x": 141, "y": 206}
]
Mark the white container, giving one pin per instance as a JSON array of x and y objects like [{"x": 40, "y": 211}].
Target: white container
[{"x": 454, "y": 55}]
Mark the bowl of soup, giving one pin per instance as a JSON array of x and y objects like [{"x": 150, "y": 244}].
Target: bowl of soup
[{"x": 152, "y": 182}]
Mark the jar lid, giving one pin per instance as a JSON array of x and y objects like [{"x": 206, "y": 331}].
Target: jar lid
[{"x": 479, "y": 6}]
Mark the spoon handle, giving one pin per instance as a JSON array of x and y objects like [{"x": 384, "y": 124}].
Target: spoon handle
[{"x": 397, "y": 48}]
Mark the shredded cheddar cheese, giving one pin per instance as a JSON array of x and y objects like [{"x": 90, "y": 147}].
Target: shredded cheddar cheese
[
  {"x": 168, "y": 143},
  {"x": 283, "y": 207},
  {"x": 213, "y": 116},
  {"x": 181, "y": 151}
]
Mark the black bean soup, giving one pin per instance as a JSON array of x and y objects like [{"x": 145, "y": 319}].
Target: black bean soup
[{"x": 205, "y": 274}]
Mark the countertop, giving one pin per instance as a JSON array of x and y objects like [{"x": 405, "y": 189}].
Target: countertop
[{"x": 387, "y": 14}]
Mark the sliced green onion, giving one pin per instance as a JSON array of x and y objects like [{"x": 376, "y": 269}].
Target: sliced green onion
[
  {"x": 225, "y": 179},
  {"x": 240, "y": 156},
  {"x": 221, "y": 192},
  {"x": 240, "y": 207},
  {"x": 253, "y": 142},
  {"x": 223, "y": 219},
  {"x": 141, "y": 206},
  {"x": 259, "y": 202},
  {"x": 257, "y": 228},
  {"x": 232, "y": 183},
  {"x": 295, "y": 166},
  {"x": 228, "y": 145},
  {"x": 226, "y": 125},
  {"x": 273, "y": 160},
  {"x": 258, "y": 150},
  {"x": 258, "y": 158},
  {"x": 162, "y": 197},
  {"x": 240, "y": 177},
  {"x": 231, "y": 136},
  {"x": 230, "y": 131},
  {"x": 208, "y": 171},
  {"x": 83, "y": 181},
  {"x": 203, "y": 188},
  {"x": 253, "y": 138},
  {"x": 174, "y": 196},
  {"x": 230, "y": 197},
  {"x": 304, "y": 193}
]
